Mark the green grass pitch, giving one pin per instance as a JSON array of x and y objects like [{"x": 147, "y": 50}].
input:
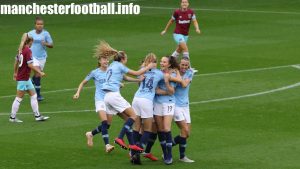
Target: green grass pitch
[{"x": 245, "y": 118}]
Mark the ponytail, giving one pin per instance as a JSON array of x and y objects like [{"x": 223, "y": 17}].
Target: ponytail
[
  {"x": 119, "y": 56},
  {"x": 103, "y": 49}
]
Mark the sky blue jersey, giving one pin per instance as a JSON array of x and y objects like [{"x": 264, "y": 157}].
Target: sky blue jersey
[
  {"x": 114, "y": 76},
  {"x": 181, "y": 93},
  {"x": 99, "y": 77},
  {"x": 165, "y": 98},
  {"x": 149, "y": 84},
  {"x": 38, "y": 50}
]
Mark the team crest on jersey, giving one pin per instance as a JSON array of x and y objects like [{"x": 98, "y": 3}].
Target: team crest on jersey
[
  {"x": 180, "y": 17},
  {"x": 190, "y": 16}
]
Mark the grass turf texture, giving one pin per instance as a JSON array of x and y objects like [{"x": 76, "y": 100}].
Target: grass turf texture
[{"x": 257, "y": 133}]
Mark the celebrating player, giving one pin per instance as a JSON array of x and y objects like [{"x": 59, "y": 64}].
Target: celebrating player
[
  {"x": 114, "y": 102},
  {"x": 143, "y": 103},
  {"x": 98, "y": 75},
  {"x": 41, "y": 41},
  {"x": 183, "y": 18},
  {"x": 182, "y": 111},
  {"x": 22, "y": 69},
  {"x": 164, "y": 106}
]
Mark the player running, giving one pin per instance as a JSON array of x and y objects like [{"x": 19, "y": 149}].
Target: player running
[
  {"x": 41, "y": 41},
  {"x": 114, "y": 102},
  {"x": 183, "y": 18},
  {"x": 164, "y": 105},
  {"x": 182, "y": 111},
  {"x": 99, "y": 76},
  {"x": 22, "y": 69}
]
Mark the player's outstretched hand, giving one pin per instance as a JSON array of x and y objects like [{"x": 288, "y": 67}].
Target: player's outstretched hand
[
  {"x": 141, "y": 78},
  {"x": 42, "y": 74},
  {"x": 198, "y": 31},
  {"x": 163, "y": 32},
  {"x": 76, "y": 96}
]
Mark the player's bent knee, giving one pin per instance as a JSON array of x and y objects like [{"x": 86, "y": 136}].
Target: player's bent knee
[{"x": 33, "y": 96}]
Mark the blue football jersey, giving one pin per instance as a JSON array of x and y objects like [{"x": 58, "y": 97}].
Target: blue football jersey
[
  {"x": 38, "y": 50},
  {"x": 165, "y": 98},
  {"x": 114, "y": 76},
  {"x": 99, "y": 77},
  {"x": 148, "y": 85},
  {"x": 181, "y": 93}
]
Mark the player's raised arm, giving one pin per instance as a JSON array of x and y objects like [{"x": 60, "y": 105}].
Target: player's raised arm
[
  {"x": 170, "y": 22},
  {"x": 176, "y": 79},
  {"x": 142, "y": 71},
  {"x": 131, "y": 79}
]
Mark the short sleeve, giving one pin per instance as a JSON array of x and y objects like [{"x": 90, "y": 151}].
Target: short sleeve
[
  {"x": 123, "y": 68},
  {"x": 193, "y": 17},
  {"x": 189, "y": 75},
  {"x": 175, "y": 15},
  {"x": 48, "y": 38},
  {"x": 28, "y": 57},
  {"x": 30, "y": 34},
  {"x": 90, "y": 76}
]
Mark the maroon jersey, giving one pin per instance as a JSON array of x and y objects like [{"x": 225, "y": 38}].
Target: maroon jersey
[
  {"x": 183, "y": 21},
  {"x": 23, "y": 60}
]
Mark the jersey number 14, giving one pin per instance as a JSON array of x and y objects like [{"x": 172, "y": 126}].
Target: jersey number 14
[{"x": 148, "y": 84}]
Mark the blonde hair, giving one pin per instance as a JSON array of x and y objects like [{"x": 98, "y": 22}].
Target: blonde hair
[
  {"x": 104, "y": 50},
  {"x": 24, "y": 41},
  {"x": 150, "y": 57}
]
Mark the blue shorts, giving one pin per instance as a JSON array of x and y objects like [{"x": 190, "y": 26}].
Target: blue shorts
[
  {"x": 179, "y": 38},
  {"x": 25, "y": 85}
]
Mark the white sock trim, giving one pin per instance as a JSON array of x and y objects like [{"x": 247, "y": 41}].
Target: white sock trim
[
  {"x": 186, "y": 55},
  {"x": 175, "y": 54}
]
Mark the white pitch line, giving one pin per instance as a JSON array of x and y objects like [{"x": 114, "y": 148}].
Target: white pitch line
[
  {"x": 53, "y": 112},
  {"x": 296, "y": 66},
  {"x": 226, "y": 10},
  {"x": 191, "y": 103},
  {"x": 245, "y": 70},
  {"x": 52, "y": 91},
  {"x": 206, "y": 74},
  {"x": 249, "y": 95}
]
